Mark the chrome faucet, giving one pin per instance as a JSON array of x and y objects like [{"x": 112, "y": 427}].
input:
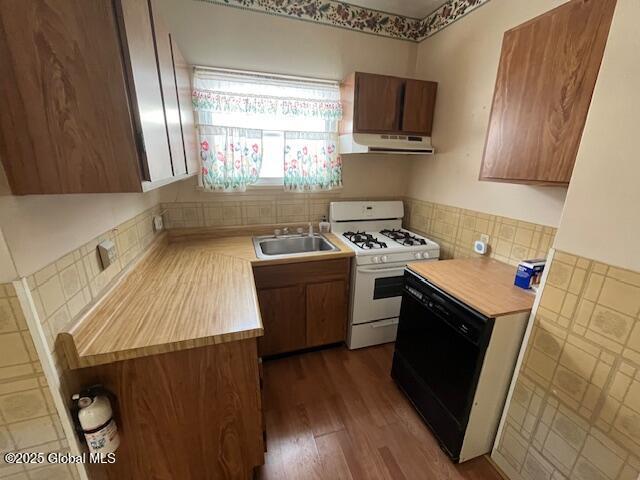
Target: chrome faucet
[{"x": 310, "y": 229}]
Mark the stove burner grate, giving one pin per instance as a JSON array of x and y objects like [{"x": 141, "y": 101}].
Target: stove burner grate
[
  {"x": 403, "y": 237},
  {"x": 364, "y": 240}
]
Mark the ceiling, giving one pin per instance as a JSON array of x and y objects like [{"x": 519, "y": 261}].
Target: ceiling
[{"x": 407, "y": 8}]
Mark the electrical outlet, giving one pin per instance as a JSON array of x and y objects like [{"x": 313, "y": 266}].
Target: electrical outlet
[
  {"x": 484, "y": 238},
  {"x": 108, "y": 253},
  {"x": 158, "y": 224}
]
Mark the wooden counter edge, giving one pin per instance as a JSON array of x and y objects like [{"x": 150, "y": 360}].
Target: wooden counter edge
[{"x": 75, "y": 361}]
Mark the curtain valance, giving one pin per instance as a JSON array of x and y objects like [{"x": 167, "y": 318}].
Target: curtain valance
[{"x": 231, "y": 93}]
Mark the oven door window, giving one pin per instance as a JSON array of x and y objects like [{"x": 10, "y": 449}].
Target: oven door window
[{"x": 388, "y": 287}]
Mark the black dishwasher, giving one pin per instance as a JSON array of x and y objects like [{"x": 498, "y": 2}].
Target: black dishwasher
[{"x": 438, "y": 356}]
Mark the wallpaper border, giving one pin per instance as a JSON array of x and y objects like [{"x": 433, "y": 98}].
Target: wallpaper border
[{"x": 360, "y": 19}]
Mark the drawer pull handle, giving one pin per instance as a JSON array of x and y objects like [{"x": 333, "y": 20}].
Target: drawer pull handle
[{"x": 385, "y": 324}]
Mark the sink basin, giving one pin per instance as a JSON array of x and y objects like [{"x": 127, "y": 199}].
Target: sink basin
[{"x": 291, "y": 245}]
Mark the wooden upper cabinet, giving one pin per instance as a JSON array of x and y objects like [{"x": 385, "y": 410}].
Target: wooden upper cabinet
[
  {"x": 547, "y": 74},
  {"x": 143, "y": 63},
  {"x": 89, "y": 98},
  {"x": 419, "y": 103},
  {"x": 169, "y": 91},
  {"x": 378, "y": 101},
  {"x": 383, "y": 104},
  {"x": 65, "y": 124}
]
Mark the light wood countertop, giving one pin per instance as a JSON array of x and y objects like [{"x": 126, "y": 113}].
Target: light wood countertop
[
  {"x": 179, "y": 295},
  {"x": 486, "y": 285}
]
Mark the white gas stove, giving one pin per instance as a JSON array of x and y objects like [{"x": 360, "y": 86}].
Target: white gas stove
[{"x": 383, "y": 249}]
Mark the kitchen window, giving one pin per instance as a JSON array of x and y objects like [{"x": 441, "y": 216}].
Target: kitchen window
[{"x": 258, "y": 130}]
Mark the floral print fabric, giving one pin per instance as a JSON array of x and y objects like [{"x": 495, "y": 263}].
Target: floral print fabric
[
  {"x": 311, "y": 161},
  {"x": 229, "y": 102},
  {"x": 231, "y": 157}
]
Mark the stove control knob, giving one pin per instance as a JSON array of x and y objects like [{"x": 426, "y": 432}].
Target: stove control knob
[
  {"x": 375, "y": 259},
  {"x": 425, "y": 255},
  {"x": 418, "y": 255},
  {"x": 383, "y": 258}
]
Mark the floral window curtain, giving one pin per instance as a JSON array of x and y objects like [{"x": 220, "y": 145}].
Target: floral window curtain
[
  {"x": 231, "y": 157},
  {"x": 232, "y": 111},
  {"x": 311, "y": 162}
]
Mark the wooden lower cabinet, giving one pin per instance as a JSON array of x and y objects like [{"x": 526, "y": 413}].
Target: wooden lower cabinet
[
  {"x": 283, "y": 312},
  {"x": 192, "y": 415},
  {"x": 302, "y": 305},
  {"x": 326, "y": 312}
]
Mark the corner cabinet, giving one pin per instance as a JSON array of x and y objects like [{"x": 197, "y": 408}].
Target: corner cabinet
[
  {"x": 92, "y": 98},
  {"x": 546, "y": 77},
  {"x": 303, "y": 305},
  {"x": 384, "y": 104}
]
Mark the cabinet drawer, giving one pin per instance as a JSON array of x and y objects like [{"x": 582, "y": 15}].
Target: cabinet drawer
[{"x": 298, "y": 273}]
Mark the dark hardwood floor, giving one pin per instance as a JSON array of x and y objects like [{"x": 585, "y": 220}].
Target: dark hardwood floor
[{"x": 337, "y": 414}]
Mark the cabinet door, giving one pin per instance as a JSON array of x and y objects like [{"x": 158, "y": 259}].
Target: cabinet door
[
  {"x": 547, "y": 73},
  {"x": 419, "y": 102},
  {"x": 169, "y": 91},
  {"x": 283, "y": 317},
  {"x": 378, "y": 103},
  {"x": 183, "y": 85},
  {"x": 140, "y": 46},
  {"x": 65, "y": 124},
  {"x": 326, "y": 312}
]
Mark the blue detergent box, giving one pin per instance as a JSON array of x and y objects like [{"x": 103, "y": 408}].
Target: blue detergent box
[{"x": 529, "y": 272}]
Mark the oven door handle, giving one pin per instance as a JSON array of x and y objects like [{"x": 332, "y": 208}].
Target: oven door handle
[{"x": 381, "y": 270}]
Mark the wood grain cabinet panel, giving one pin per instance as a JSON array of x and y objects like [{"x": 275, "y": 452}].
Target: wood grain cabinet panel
[
  {"x": 283, "y": 318},
  {"x": 546, "y": 77},
  {"x": 383, "y": 104},
  {"x": 326, "y": 312},
  {"x": 419, "y": 103},
  {"x": 192, "y": 415},
  {"x": 65, "y": 125},
  {"x": 90, "y": 99},
  {"x": 378, "y": 103},
  {"x": 302, "y": 304}
]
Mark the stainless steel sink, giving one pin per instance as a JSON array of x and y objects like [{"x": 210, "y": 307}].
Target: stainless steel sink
[{"x": 291, "y": 245}]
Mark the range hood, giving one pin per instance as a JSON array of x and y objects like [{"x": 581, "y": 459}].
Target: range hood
[{"x": 385, "y": 143}]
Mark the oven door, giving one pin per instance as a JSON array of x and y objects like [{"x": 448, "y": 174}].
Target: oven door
[{"x": 377, "y": 292}]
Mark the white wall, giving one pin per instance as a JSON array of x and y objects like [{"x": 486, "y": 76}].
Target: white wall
[
  {"x": 221, "y": 36},
  {"x": 601, "y": 219},
  {"x": 39, "y": 229},
  {"x": 464, "y": 58},
  {"x": 7, "y": 268}
]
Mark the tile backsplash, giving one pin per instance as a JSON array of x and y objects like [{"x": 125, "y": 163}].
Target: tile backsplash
[
  {"x": 575, "y": 411},
  {"x": 227, "y": 210},
  {"x": 28, "y": 418},
  {"x": 455, "y": 229}
]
